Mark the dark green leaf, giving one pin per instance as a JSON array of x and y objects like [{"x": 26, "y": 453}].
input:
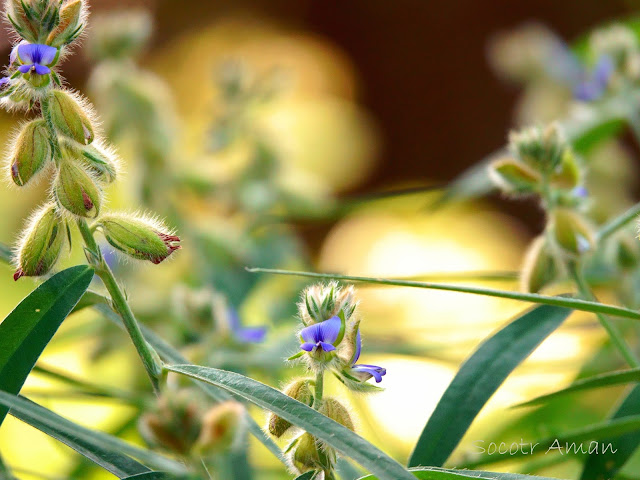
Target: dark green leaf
[
  {"x": 30, "y": 326},
  {"x": 109, "y": 452},
  {"x": 478, "y": 379},
  {"x": 306, "y": 476},
  {"x": 321, "y": 427},
  {"x": 90, "y": 299},
  {"x": 598, "y": 381},
  {"x": 157, "y": 476},
  {"x": 434, "y": 473},
  {"x": 606, "y": 465}
]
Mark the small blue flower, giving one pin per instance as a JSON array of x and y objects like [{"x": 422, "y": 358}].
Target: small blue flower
[
  {"x": 321, "y": 335},
  {"x": 580, "y": 192},
  {"x": 36, "y": 58},
  {"x": 594, "y": 85},
  {"x": 364, "y": 372},
  {"x": 245, "y": 334}
]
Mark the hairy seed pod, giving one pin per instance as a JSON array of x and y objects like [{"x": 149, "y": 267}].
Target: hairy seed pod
[
  {"x": 298, "y": 390},
  {"x": 333, "y": 409},
  {"x": 221, "y": 426},
  {"x": 513, "y": 176},
  {"x": 140, "y": 238},
  {"x": 540, "y": 268},
  {"x": 100, "y": 162},
  {"x": 41, "y": 244},
  {"x": 572, "y": 232},
  {"x": 76, "y": 190},
  {"x": 69, "y": 117},
  {"x": 567, "y": 174},
  {"x": 305, "y": 456},
  {"x": 31, "y": 151},
  {"x": 70, "y": 25}
]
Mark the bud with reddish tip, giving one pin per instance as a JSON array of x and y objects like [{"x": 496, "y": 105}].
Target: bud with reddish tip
[
  {"x": 42, "y": 242},
  {"x": 76, "y": 191},
  {"x": 31, "y": 151},
  {"x": 70, "y": 116},
  {"x": 139, "y": 237}
]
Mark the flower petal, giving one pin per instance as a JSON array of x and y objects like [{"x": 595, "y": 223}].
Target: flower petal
[
  {"x": 307, "y": 347},
  {"x": 37, "y": 53},
  {"x": 367, "y": 371},
  {"x": 330, "y": 329},
  {"x": 603, "y": 71},
  {"x": 356, "y": 354},
  {"x": 24, "y": 68},
  {"x": 42, "y": 70},
  {"x": 311, "y": 334},
  {"x": 251, "y": 334},
  {"x": 4, "y": 81},
  {"x": 327, "y": 347}
]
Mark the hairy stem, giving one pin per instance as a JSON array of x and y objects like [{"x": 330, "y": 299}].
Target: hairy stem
[
  {"x": 614, "y": 334},
  {"x": 149, "y": 357}
]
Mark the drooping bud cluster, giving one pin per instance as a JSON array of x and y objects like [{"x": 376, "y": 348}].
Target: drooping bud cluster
[{"x": 64, "y": 138}]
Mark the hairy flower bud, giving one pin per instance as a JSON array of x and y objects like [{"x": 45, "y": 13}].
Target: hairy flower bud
[
  {"x": 70, "y": 25},
  {"x": 31, "y": 151},
  {"x": 333, "y": 409},
  {"x": 305, "y": 456},
  {"x": 139, "y": 237},
  {"x": 321, "y": 302},
  {"x": 175, "y": 424},
  {"x": 76, "y": 190},
  {"x": 540, "y": 267},
  {"x": 221, "y": 426},
  {"x": 297, "y": 389},
  {"x": 69, "y": 116},
  {"x": 101, "y": 162},
  {"x": 513, "y": 176},
  {"x": 22, "y": 17},
  {"x": 572, "y": 232},
  {"x": 540, "y": 148},
  {"x": 41, "y": 243}
]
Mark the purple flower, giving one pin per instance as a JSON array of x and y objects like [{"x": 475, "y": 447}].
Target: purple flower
[
  {"x": 364, "y": 372},
  {"x": 36, "y": 58},
  {"x": 580, "y": 192},
  {"x": 245, "y": 334},
  {"x": 4, "y": 81},
  {"x": 593, "y": 85},
  {"x": 321, "y": 335}
]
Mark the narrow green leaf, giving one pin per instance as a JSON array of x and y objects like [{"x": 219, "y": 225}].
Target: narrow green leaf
[
  {"x": 30, "y": 326},
  {"x": 619, "y": 222},
  {"x": 570, "y": 443},
  {"x": 559, "y": 301},
  {"x": 91, "y": 299},
  {"x": 321, "y": 427},
  {"x": 603, "y": 466},
  {"x": 109, "y": 452},
  {"x": 306, "y": 476},
  {"x": 157, "y": 476},
  {"x": 435, "y": 473},
  {"x": 597, "y": 381},
  {"x": 171, "y": 355},
  {"x": 478, "y": 379},
  {"x": 5, "y": 253}
]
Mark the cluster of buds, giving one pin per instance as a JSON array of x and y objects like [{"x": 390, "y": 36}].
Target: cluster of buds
[
  {"x": 330, "y": 341},
  {"x": 542, "y": 162},
  {"x": 181, "y": 424},
  {"x": 63, "y": 140}
]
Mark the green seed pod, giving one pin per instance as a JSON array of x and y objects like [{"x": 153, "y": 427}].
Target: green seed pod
[
  {"x": 31, "y": 151},
  {"x": 540, "y": 267},
  {"x": 41, "y": 243},
  {"x": 572, "y": 232},
  {"x": 221, "y": 427},
  {"x": 69, "y": 116},
  {"x": 70, "y": 25},
  {"x": 513, "y": 176},
  {"x": 305, "y": 456},
  {"x": 76, "y": 190},
  {"x": 140, "y": 238},
  {"x": 298, "y": 390},
  {"x": 101, "y": 162},
  {"x": 568, "y": 174},
  {"x": 333, "y": 409}
]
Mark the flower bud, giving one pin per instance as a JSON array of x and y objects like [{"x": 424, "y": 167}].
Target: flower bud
[
  {"x": 539, "y": 148},
  {"x": 175, "y": 423},
  {"x": 69, "y": 116},
  {"x": 540, "y": 267},
  {"x": 22, "y": 17},
  {"x": 101, "y": 162},
  {"x": 618, "y": 42},
  {"x": 139, "y": 237},
  {"x": 321, "y": 302},
  {"x": 221, "y": 426},
  {"x": 305, "y": 456},
  {"x": 31, "y": 151},
  {"x": 76, "y": 190},
  {"x": 333, "y": 409},
  {"x": 70, "y": 24},
  {"x": 513, "y": 176},
  {"x": 41, "y": 243},
  {"x": 298, "y": 390},
  {"x": 572, "y": 232},
  {"x": 567, "y": 175}
]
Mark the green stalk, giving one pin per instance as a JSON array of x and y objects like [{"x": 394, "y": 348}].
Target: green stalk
[
  {"x": 149, "y": 357},
  {"x": 614, "y": 334},
  {"x": 317, "y": 401},
  {"x": 617, "y": 223}
]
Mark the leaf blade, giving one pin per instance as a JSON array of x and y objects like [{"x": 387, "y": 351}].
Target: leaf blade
[{"x": 478, "y": 379}]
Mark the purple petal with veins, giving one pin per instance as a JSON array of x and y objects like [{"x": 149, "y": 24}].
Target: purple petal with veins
[{"x": 321, "y": 335}]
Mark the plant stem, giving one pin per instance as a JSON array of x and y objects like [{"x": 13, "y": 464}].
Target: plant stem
[
  {"x": 149, "y": 357},
  {"x": 317, "y": 402},
  {"x": 318, "y": 390},
  {"x": 617, "y": 223},
  {"x": 614, "y": 334}
]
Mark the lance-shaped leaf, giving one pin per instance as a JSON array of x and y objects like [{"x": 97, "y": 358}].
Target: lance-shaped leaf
[
  {"x": 30, "y": 326},
  {"x": 434, "y": 473},
  {"x": 479, "y": 378}
]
